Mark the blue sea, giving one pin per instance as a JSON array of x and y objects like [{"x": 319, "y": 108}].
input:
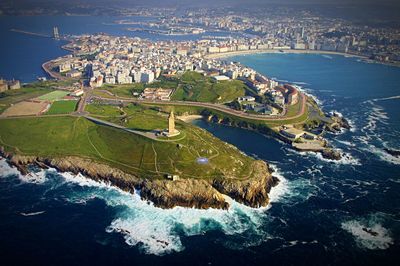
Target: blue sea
[{"x": 317, "y": 212}]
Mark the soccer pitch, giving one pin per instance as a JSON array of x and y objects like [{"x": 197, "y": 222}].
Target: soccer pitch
[
  {"x": 62, "y": 107},
  {"x": 53, "y": 96}
]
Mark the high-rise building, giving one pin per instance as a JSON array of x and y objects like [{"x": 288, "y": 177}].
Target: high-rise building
[{"x": 56, "y": 35}]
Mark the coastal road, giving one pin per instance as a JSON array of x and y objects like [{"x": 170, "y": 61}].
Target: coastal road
[
  {"x": 47, "y": 67},
  {"x": 217, "y": 107}
]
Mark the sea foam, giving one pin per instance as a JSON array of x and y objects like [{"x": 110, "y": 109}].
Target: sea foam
[
  {"x": 7, "y": 170},
  {"x": 380, "y": 239},
  {"x": 159, "y": 231}
]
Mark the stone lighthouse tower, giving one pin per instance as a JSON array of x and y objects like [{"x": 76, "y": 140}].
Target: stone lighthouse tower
[
  {"x": 171, "y": 126},
  {"x": 171, "y": 123}
]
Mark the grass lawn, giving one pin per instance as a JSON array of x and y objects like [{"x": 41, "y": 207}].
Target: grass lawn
[
  {"x": 294, "y": 109},
  {"x": 103, "y": 110},
  {"x": 124, "y": 90},
  {"x": 62, "y": 107},
  {"x": 61, "y": 136},
  {"x": 53, "y": 96},
  {"x": 195, "y": 87}
]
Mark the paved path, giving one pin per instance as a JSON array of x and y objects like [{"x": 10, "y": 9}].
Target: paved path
[{"x": 146, "y": 134}]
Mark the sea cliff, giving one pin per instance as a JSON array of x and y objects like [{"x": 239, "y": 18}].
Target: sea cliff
[{"x": 164, "y": 193}]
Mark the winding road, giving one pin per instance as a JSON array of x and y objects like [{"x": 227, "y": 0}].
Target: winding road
[{"x": 217, "y": 107}]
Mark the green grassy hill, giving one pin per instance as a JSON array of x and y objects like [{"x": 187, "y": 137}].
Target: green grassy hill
[
  {"x": 195, "y": 87},
  {"x": 63, "y": 136}
]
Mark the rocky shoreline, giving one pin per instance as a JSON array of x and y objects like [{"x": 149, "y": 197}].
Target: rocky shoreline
[
  {"x": 191, "y": 193},
  {"x": 328, "y": 152}
]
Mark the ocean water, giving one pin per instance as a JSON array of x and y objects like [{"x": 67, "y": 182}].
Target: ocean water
[{"x": 316, "y": 216}]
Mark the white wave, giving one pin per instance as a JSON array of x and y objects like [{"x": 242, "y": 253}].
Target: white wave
[
  {"x": 337, "y": 113},
  {"x": 281, "y": 189},
  {"x": 382, "y": 154},
  {"x": 282, "y": 80},
  {"x": 347, "y": 159},
  {"x": 82, "y": 181},
  {"x": 157, "y": 231},
  {"x": 34, "y": 177},
  {"x": 347, "y": 143},
  {"x": 308, "y": 92},
  {"x": 300, "y": 82},
  {"x": 386, "y": 98},
  {"x": 369, "y": 233},
  {"x": 32, "y": 213},
  {"x": 353, "y": 127},
  {"x": 377, "y": 114},
  {"x": 327, "y": 56},
  {"x": 7, "y": 170}
]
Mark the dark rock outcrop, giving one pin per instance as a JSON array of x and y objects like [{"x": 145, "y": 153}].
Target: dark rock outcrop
[
  {"x": 184, "y": 192},
  {"x": 331, "y": 154},
  {"x": 252, "y": 191},
  {"x": 339, "y": 122},
  {"x": 395, "y": 153}
]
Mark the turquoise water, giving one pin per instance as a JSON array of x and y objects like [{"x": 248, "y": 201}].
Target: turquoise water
[{"x": 316, "y": 216}]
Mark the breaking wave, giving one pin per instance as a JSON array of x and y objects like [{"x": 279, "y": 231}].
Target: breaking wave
[
  {"x": 159, "y": 231},
  {"x": 34, "y": 177},
  {"x": 7, "y": 170},
  {"x": 369, "y": 233},
  {"x": 281, "y": 189},
  {"x": 386, "y": 98}
]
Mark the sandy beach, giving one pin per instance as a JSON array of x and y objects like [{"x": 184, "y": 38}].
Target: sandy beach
[
  {"x": 189, "y": 118},
  {"x": 272, "y": 51}
]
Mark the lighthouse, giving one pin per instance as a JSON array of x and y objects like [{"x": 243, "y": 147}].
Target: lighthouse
[
  {"x": 171, "y": 126},
  {"x": 171, "y": 123}
]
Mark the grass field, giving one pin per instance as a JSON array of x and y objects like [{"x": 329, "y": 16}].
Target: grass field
[
  {"x": 62, "y": 136},
  {"x": 53, "y": 96},
  {"x": 132, "y": 116},
  {"x": 195, "y": 87},
  {"x": 97, "y": 109},
  {"x": 62, "y": 107}
]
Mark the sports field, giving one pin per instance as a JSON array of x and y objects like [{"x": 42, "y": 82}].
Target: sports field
[
  {"x": 25, "y": 108},
  {"x": 53, "y": 96},
  {"x": 62, "y": 107}
]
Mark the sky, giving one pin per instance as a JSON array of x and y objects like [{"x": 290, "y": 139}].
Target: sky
[
  {"x": 352, "y": 9},
  {"x": 218, "y": 2}
]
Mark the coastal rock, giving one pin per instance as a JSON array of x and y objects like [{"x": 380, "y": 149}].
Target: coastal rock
[
  {"x": 95, "y": 171},
  {"x": 339, "y": 122},
  {"x": 192, "y": 193},
  {"x": 252, "y": 191},
  {"x": 185, "y": 192},
  {"x": 395, "y": 153},
  {"x": 331, "y": 154}
]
